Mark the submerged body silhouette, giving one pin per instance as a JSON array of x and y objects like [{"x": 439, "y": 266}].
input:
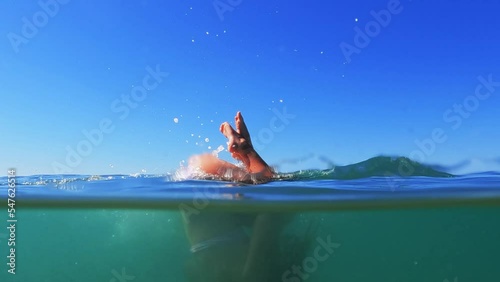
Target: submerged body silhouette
[{"x": 248, "y": 247}]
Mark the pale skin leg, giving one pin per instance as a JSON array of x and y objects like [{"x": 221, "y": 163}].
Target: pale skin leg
[
  {"x": 266, "y": 227},
  {"x": 241, "y": 148}
]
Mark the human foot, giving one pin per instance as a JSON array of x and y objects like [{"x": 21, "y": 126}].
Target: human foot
[
  {"x": 241, "y": 148},
  {"x": 239, "y": 142}
]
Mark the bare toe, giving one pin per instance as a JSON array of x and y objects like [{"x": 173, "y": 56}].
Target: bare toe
[
  {"x": 241, "y": 127},
  {"x": 230, "y": 134},
  {"x": 227, "y": 130}
]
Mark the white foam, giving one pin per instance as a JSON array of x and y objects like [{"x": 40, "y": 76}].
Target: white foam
[{"x": 218, "y": 150}]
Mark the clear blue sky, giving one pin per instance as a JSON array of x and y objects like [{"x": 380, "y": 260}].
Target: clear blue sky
[{"x": 64, "y": 66}]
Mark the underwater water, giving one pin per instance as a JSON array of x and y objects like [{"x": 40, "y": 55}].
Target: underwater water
[{"x": 138, "y": 228}]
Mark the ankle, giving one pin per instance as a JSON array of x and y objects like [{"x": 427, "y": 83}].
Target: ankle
[{"x": 257, "y": 165}]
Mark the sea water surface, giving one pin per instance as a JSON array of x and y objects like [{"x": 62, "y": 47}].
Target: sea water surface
[{"x": 132, "y": 227}]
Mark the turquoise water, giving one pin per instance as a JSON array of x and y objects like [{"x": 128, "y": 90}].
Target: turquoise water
[{"x": 138, "y": 228}]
